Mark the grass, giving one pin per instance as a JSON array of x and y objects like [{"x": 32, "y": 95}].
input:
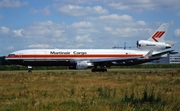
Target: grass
[{"x": 72, "y": 90}]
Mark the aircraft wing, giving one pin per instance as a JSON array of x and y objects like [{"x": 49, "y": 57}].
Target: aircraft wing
[
  {"x": 149, "y": 56},
  {"x": 113, "y": 59}
]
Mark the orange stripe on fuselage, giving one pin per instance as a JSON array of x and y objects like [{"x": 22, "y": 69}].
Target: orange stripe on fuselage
[{"x": 73, "y": 55}]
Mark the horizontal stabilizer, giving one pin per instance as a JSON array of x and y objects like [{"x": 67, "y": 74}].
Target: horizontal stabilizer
[{"x": 162, "y": 53}]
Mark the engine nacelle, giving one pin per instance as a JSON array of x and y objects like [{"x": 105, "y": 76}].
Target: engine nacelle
[
  {"x": 151, "y": 45},
  {"x": 83, "y": 64}
]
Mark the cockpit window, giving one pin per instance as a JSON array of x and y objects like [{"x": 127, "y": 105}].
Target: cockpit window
[{"x": 11, "y": 54}]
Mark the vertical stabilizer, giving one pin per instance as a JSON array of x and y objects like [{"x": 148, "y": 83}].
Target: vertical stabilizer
[{"x": 160, "y": 33}]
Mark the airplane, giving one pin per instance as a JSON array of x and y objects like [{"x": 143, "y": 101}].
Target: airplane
[{"x": 97, "y": 59}]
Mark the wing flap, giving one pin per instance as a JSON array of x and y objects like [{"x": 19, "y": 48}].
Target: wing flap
[
  {"x": 149, "y": 56},
  {"x": 112, "y": 59}
]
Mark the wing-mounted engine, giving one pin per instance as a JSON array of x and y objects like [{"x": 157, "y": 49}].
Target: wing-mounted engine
[
  {"x": 83, "y": 64},
  {"x": 151, "y": 45}
]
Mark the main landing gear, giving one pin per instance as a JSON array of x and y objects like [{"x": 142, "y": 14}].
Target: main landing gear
[
  {"x": 29, "y": 69},
  {"x": 101, "y": 69}
]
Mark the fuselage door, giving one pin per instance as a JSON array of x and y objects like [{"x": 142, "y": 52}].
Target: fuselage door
[{"x": 20, "y": 56}]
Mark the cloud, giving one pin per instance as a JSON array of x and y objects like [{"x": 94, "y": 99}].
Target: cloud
[
  {"x": 44, "y": 11},
  {"x": 128, "y": 5},
  {"x": 141, "y": 22},
  {"x": 82, "y": 24},
  {"x": 39, "y": 33},
  {"x": 144, "y": 5},
  {"x": 82, "y": 27},
  {"x": 84, "y": 38},
  {"x": 4, "y": 30},
  {"x": 77, "y": 1},
  {"x": 119, "y": 6},
  {"x": 18, "y": 33},
  {"x": 76, "y": 10},
  {"x": 101, "y": 31},
  {"x": 177, "y": 33},
  {"x": 40, "y": 46},
  {"x": 43, "y": 29},
  {"x": 112, "y": 18},
  {"x": 123, "y": 32},
  {"x": 117, "y": 17},
  {"x": 138, "y": 6},
  {"x": 12, "y": 3}
]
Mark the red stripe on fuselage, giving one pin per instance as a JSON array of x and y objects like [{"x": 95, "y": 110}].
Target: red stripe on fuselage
[{"x": 73, "y": 56}]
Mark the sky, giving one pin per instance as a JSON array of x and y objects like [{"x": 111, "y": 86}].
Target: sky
[{"x": 84, "y": 24}]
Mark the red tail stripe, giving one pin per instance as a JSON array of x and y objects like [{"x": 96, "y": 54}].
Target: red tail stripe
[
  {"x": 161, "y": 34},
  {"x": 158, "y": 34},
  {"x": 155, "y": 34}
]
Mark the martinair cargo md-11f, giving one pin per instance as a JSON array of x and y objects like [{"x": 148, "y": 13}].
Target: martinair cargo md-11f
[{"x": 99, "y": 59}]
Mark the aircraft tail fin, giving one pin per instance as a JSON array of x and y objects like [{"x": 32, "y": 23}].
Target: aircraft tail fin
[{"x": 160, "y": 33}]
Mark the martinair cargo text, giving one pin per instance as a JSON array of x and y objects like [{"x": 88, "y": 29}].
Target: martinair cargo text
[{"x": 97, "y": 59}]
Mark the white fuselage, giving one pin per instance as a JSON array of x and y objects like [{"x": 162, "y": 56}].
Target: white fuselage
[
  {"x": 68, "y": 57},
  {"x": 73, "y": 53}
]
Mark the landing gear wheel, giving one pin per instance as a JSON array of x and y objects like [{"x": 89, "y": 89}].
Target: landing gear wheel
[
  {"x": 29, "y": 69},
  {"x": 104, "y": 70},
  {"x": 99, "y": 70},
  {"x": 93, "y": 70}
]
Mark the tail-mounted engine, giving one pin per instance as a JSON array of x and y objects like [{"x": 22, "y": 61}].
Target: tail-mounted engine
[{"x": 151, "y": 45}]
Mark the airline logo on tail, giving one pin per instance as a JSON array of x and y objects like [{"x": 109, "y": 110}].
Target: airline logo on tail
[
  {"x": 157, "y": 35},
  {"x": 160, "y": 33}
]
